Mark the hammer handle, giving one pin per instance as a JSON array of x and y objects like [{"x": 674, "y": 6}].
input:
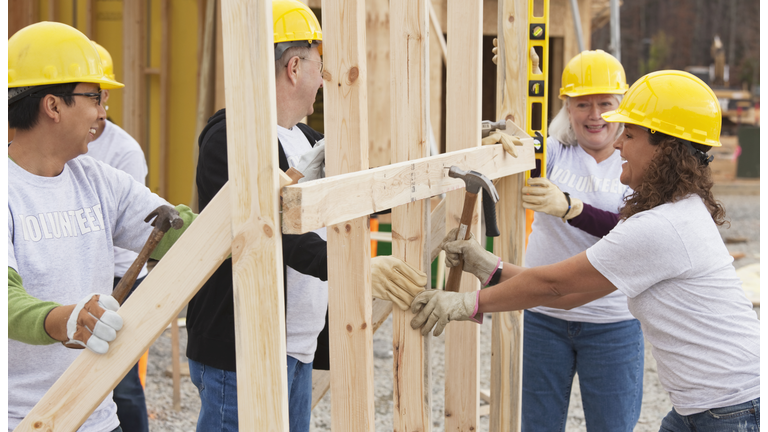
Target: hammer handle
[
  {"x": 465, "y": 224},
  {"x": 126, "y": 282}
]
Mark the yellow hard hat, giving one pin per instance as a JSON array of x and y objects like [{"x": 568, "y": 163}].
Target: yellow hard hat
[
  {"x": 48, "y": 53},
  {"x": 672, "y": 102},
  {"x": 593, "y": 72},
  {"x": 293, "y": 21},
  {"x": 106, "y": 61}
]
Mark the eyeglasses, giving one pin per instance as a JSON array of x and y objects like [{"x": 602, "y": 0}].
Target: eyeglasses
[
  {"x": 95, "y": 96},
  {"x": 321, "y": 63}
]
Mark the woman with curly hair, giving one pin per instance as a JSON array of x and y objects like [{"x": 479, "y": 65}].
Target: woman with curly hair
[
  {"x": 600, "y": 341},
  {"x": 666, "y": 255}
]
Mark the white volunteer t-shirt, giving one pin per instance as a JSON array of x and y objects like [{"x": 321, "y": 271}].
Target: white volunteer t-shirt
[
  {"x": 574, "y": 171},
  {"x": 119, "y": 150},
  {"x": 672, "y": 264},
  {"x": 61, "y": 231},
  {"x": 307, "y": 296}
]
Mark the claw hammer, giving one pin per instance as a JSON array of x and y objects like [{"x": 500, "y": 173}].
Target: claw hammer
[{"x": 474, "y": 183}]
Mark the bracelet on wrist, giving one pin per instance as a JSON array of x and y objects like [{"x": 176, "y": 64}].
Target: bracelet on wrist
[{"x": 567, "y": 198}]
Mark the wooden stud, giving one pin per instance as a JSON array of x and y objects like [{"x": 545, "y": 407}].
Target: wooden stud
[
  {"x": 167, "y": 288},
  {"x": 318, "y": 203},
  {"x": 409, "y": 39},
  {"x": 165, "y": 62},
  {"x": 463, "y": 108},
  {"x": 134, "y": 63},
  {"x": 379, "y": 101},
  {"x": 175, "y": 365},
  {"x": 507, "y": 330},
  {"x": 257, "y": 264},
  {"x": 349, "y": 246}
]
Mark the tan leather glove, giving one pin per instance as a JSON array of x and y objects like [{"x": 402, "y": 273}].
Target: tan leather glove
[
  {"x": 477, "y": 260},
  {"x": 495, "y": 51},
  {"x": 436, "y": 308},
  {"x": 508, "y": 141},
  {"x": 542, "y": 195},
  {"x": 91, "y": 323},
  {"x": 395, "y": 280}
]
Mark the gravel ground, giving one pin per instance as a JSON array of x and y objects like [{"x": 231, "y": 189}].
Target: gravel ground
[{"x": 742, "y": 210}]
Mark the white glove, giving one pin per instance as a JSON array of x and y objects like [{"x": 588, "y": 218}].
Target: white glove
[
  {"x": 94, "y": 323},
  {"x": 542, "y": 195},
  {"x": 395, "y": 280},
  {"x": 435, "y": 308},
  {"x": 312, "y": 163},
  {"x": 508, "y": 141},
  {"x": 477, "y": 260}
]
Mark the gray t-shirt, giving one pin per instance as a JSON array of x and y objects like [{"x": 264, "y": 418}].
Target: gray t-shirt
[
  {"x": 672, "y": 264},
  {"x": 574, "y": 171},
  {"x": 307, "y": 296},
  {"x": 61, "y": 231},
  {"x": 119, "y": 150}
]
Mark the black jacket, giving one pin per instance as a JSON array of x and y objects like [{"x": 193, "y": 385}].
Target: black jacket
[{"x": 211, "y": 316}]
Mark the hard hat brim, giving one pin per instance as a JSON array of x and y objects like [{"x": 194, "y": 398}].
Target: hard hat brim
[
  {"x": 105, "y": 83},
  {"x": 616, "y": 117}
]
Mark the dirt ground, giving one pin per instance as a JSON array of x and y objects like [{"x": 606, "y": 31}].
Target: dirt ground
[{"x": 743, "y": 236}]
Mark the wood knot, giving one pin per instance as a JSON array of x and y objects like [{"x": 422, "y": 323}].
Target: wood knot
[
  {"x": 38, "y": 425},
  {"x": 349, "y": 328},
  {"x": 364, "y": 326},
  {"x": 268, "y": 231},
  {"x": 354, "y": 74},
  {"x": 347, "y": 227},
  {"x": 336, "y": 229},
  {"x": 510, "y": 117},
  {"x": 511, "y": 18}
]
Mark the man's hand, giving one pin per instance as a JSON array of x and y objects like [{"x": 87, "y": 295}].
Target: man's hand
[
  {"x": 435, "y": 308},
  {"x": 477, "y": 260},
  {"x": 395, "y": 280},
  {"x": 92, "y": 323},
  {"x": 541, "y": 195},
  {"x": 312, "y": 163},
  {"x": 508, "y": 141}
]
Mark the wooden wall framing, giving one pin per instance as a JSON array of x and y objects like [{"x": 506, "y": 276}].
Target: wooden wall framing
[{"x": 243, "y": 220}]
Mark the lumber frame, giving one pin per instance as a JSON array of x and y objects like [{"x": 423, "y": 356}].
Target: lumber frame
[
  {"x": 318, "y": 203},
  {"x": 409, "y": 57},
  {"x": 257, "y": 264},
  {"x": 507, "y": 330},
  {"x": 349, "y": 246},
  {"x": 134, "y": 64},
  {"x": 463, "y": 109}
]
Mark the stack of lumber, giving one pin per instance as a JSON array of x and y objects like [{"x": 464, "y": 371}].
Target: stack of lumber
[{"x": 725, "y": 162}]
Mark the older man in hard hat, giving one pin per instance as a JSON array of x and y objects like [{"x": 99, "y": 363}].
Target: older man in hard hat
[
  {"x": 210, "y": 317},
  {"x": 65, "y": 214}
]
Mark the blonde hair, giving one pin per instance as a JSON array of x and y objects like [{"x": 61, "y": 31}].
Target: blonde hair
[{"x": 560, "y": 127}]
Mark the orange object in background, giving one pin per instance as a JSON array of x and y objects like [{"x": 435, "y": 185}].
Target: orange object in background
[
  {"x": 528, "y": 225},
  {"x": 143, "y": 369},
  {"x": 374, "y": 228}
]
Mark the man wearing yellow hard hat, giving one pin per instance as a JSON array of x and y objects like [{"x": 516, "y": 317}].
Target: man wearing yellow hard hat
[
  {"x": 65, "y": 215},
  {"x": 210, "y": 316},
  {"x": 116, "y": 148}
]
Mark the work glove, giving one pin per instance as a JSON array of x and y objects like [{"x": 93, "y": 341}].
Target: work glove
[
  {"x": 435, "y": 308},
  {"x": 542, "y": 195},
  {"x": 495, "y": 51},
  {"x": 94, "y": 323},
  {"x": 312, "y": 163},
  {"x": 508, "y": 141},
  {"x": 395, "y": 280},
  {"x": 477, "y": 260}
]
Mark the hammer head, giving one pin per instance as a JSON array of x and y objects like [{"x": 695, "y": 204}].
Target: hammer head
[
  {"x": 475, "y": 182},
  {"x": 165, "y": 217}
]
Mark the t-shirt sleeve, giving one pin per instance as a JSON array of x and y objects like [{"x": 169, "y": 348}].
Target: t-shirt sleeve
[
  {"x": 639, "y": 253},
  {"x": 11, "y": 253},
  {"x": 133, "y": 163}
]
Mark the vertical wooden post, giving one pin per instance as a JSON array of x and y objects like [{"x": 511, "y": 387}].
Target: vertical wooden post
[
  {"x": 463, "y": 100},
  {"x": 257, "y": 265},
  {"x": 409, "y": 48},
  {"x": 379, "y": 103},
  {"x": 134, "y": 64},
  {"x": 507, "y": 333},
  {"x": 165, "y": 70},
  {"x": 349, "y": 243}
]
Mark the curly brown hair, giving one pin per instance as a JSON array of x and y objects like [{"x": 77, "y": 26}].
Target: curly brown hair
[{"x": 673, "y": 174}]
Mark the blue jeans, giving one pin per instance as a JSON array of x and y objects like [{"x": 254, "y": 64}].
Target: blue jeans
[
  {"x": 218, "y": 396},
  {"x": 609, "y": 359},
  {"x": 129, "y": 394},
  {"x": 743, "y": 417}
]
